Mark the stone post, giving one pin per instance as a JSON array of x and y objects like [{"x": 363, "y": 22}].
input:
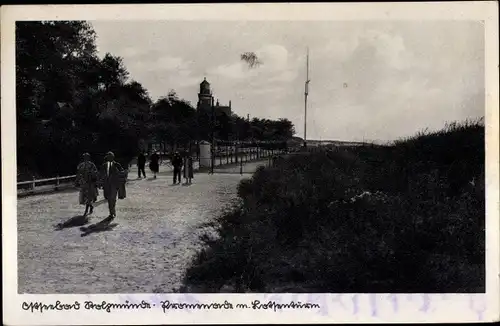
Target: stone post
[{"x": 205, "y": 154}]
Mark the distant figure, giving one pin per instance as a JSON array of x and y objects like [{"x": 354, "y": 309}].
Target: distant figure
[
  {"x": 188, "y": 168},
  {"x": 177, "y": 164},
  {"x": 86, "y": 179},
  {"x": 113, "y": 179},
  {"x": 141, "y": 164},
  {"x": 154, "y": 163}
]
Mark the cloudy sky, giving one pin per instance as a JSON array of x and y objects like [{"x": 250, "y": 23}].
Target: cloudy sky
[{"x": 369, "y": 80}]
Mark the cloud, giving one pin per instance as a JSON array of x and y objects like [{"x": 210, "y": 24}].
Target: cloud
[
  {"x": 171, "y": 63},
  {"x": 284, "y": 76},
  {"x": 235, "y": 70},
  {"x": 274, "y": 57},
  {"x": 274, "y": 60},
  {"x": 400, "y": 77},
  {"x": 164, "y": 63},
  {"x": 277, "y": 90},
  {"x": 187, "y": 81},
  {"x": 131, "y": 52},
  {"x": 390, "y": 47},
  {"x": 268, "y": 80}
]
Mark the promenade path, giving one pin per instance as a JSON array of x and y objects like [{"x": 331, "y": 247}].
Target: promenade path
[{"x": 157, "y": 235}]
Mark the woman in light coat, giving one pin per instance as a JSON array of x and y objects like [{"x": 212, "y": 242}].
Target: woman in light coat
[
  {"x": 86, "y": 179},
  {"x": 188, "y": 168}
]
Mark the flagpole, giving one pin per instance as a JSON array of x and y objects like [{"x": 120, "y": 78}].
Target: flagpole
[{"x": 306, "y": 93}]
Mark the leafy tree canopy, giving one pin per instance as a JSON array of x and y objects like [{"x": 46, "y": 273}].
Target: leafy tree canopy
[{"x": 70, "y": 101}]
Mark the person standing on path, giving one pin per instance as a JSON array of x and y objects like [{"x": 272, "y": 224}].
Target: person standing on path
[
  {"x": 177, "y": 164},
  {"x": 188, "y": 168},
  {"x": 154, "y": 164},
  {"x": 86, "y": 179},
  {"x": 113, "y": 178},
  {"x": 141, "y": 165}
]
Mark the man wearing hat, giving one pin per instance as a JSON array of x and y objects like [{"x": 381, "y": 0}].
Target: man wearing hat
[
  {"x": 177, "y": 164},
  {"x": 113, "y": 178}
]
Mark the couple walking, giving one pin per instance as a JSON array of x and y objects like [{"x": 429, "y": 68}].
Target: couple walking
[
  {"x": 154, "y": 164},
  {"x": 111, "y": 178},
  {"x": 183, "y": 164},
  {"x": 178, "y": 162}
]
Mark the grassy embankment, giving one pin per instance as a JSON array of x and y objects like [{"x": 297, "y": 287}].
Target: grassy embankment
[{"x": 408, "y": 217}]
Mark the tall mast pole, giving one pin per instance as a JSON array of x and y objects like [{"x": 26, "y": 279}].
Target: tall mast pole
[{"x": 306, "y": 93}]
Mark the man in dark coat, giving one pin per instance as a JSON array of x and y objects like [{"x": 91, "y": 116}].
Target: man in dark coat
[
  {"x": 177, "y": 164},
  {"x": 141, "y": 164},
  {"x": 113, "y": 178}
]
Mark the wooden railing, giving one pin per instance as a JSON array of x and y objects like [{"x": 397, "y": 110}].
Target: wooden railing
[
  {"x": 223, "y": 157},
  {"x": 253, "y": 154},
  {"x": 53, "y": 182}
]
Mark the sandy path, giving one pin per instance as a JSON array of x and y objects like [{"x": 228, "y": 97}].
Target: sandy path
[{"x": 157, "y": 235}]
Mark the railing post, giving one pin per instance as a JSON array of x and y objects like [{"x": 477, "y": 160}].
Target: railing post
[
  {"x": 212, "y": 158},
  {"x": 33, "y": 184},
  {"x": 57, "y": 182},
  {"x": 241, "y": 166}
]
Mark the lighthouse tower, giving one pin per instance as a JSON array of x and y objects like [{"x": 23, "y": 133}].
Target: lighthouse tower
[{"x": 204, "y": 96}]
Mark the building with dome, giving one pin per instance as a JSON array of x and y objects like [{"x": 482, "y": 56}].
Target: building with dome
[{"x": 206, "y": 100}]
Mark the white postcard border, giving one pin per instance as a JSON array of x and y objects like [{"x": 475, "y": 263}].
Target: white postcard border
[{"x": 342, "y": 308}]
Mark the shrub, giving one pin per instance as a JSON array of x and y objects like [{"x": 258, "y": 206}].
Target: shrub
[{"x": 405, "y": 217}]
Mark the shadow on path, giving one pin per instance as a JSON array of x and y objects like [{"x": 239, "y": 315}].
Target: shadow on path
[
  {"x": 100, "y": 202},
  {"x": 101, "y": 226},
  {"x": 78, "y": 220}
]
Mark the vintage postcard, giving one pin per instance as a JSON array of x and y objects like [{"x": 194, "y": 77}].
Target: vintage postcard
[{"x": 250, "y": 163}]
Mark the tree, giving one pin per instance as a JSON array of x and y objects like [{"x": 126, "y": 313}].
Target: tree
[
  {"x": 49, "y": 57},
  {"x": 224, "y": 127},
  {"x": 113, "y": 71},
  {"x": 251, "y": 59},
  {"x": 174, "y": 121},
  {"x": 70, "y": 101}
]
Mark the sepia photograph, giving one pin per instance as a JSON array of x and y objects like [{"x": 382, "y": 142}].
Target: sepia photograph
[
  {"x": 149, "y": 130},
  {"x": 250, "y": 156}
]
